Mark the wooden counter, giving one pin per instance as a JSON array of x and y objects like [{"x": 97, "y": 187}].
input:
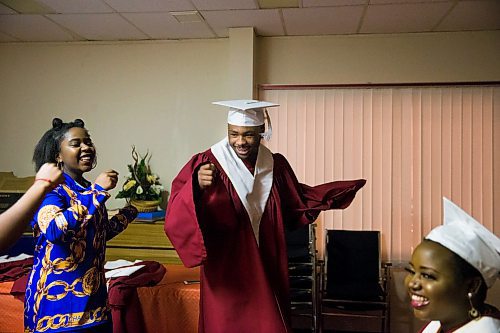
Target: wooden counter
[{"x": 145, "y": 241}]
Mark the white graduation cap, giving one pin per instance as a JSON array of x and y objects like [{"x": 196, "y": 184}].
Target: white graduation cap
[
  {"x": 470, "y": 240},
  {"x": 248, "y": 112}
]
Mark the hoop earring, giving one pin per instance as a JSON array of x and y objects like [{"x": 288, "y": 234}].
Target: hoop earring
[
  {"x": 94, "y": 164},
  {"x": 473, "y": 313},
  {"x": 60, "y": 165}
]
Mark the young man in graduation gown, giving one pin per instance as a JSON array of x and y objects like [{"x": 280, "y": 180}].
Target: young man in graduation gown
[{"x": 227, "y": 212}]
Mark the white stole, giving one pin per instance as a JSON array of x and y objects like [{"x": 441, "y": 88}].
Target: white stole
[
  {"x": 432, "y": 327},
  {"x": 484, "y": 324},
  {"x": 253, "y": 190}
]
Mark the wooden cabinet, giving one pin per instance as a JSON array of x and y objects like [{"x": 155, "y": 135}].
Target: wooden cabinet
[{"x": 144, "y": 241}]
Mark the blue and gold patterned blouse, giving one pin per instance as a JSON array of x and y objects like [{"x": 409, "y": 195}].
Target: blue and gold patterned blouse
[{"x": 66, "y": 288}]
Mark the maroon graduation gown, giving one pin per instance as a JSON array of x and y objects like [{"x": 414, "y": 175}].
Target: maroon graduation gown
[{"x": 244, "y": 287}]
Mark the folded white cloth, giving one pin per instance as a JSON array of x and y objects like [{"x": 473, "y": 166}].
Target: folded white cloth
[
  {"x": 123, "y": 271},
  {"x": 21, "y": 256},
  {"x": 119, "y": 263}
]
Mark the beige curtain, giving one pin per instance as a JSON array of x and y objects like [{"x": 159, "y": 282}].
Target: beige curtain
[{"x": 414, "y": 145}]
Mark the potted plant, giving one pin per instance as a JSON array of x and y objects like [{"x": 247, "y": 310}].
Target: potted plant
[{"x": 142, "y": 188}]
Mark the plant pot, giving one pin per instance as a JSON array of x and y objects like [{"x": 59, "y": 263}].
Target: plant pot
[
  {"x": 145, "y": 205},
  {"x": 164, "y": 199}
]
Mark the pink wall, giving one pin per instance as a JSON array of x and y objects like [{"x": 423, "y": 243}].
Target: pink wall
[{"x": 414, "y": 145}]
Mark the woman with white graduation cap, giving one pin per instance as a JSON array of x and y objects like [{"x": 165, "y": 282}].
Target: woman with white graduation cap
[{"x": 450, "y": 273}]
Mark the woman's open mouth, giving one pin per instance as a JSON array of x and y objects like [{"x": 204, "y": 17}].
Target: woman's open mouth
[
  {"x": 418, "y": 301},
  {"x": 87, "y": 159}
]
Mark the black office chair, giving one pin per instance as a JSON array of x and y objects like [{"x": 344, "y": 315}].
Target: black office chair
[
  {"x": 302, "y": 263},
  {"x": 355, "y": 283}
]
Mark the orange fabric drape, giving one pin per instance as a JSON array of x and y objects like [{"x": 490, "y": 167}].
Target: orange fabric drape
[
  {"x": 413, "y": 145},
  {"x": 12, "y": 313},
  {"x": 169, "y": 306}
]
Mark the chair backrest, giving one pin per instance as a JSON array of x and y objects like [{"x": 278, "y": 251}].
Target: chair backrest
[
  {"x": 352, "y": 258},
  {"x": 298, "y": 244},
  {"x": 298, "y": 236},
  {"x": 302, "y": 263}
]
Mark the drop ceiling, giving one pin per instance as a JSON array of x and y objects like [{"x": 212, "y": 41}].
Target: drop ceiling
[{"x": 130, "y": 20}]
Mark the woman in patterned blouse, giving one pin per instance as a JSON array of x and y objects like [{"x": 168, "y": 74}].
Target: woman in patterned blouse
[{"x": 66, "y": 289}]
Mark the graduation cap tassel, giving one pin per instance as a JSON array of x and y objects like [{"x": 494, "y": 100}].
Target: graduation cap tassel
[{"x": 269, "y": 132}]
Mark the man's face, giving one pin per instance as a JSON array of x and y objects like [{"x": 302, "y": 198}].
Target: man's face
[{"x": 244, "y": 140}]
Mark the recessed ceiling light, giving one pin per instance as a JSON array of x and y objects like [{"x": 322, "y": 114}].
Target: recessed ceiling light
[
  {"x": 272, "y": 4},
  {"x": 187, "y": 16}
]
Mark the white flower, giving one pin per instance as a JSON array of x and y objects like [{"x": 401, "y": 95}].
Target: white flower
[
  {"x": 139, "y": 190},
  {"x": 157, "y": 189}
]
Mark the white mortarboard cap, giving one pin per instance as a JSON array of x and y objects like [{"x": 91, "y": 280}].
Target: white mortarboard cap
[
  {"x": 248, "y": 112},
  {"x": 470, "y": 240}
]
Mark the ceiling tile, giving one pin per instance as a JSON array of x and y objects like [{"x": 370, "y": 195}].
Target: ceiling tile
[
  {"x": 224, "y": 4},
  {"x": 6, "y": 38},
  {"x": 99, "y": 26},
  {"x": 149, "y": 6},
  {"x": 77, "y": 6},
  {"x": 151, "y": 19},
  {"x": 331, "y": 3},
  {"x": 472, "y": 15},
  {"x": 418, "y": 17},
  {"x": 266, "y": 22},
  {"x": 322, "y": 21},
  {"x": 33, "y": 28},
  {"x": 378, "y": 2},
  {"x": 6, "y": 10},
  {"x": 31, "y": 7},
  {"x": 165, "y": 26}
]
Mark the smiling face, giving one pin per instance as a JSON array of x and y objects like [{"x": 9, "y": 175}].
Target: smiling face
[
  {"x": 244, "y": 140},
  {"x": 77, "y": 152},
  {"x": 437, "y": 289}
]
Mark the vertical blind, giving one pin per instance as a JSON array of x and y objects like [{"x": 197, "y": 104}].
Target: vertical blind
[{"x": 413, "y": 145}]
